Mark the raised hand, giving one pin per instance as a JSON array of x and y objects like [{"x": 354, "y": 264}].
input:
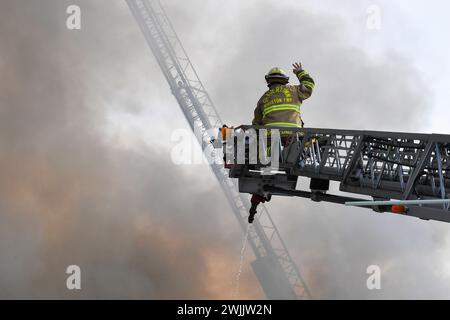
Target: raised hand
[{"x": 297, "y": 67}]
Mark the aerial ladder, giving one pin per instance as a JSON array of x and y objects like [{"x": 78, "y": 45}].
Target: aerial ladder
[
  {"x": 274, "y": 267},
  {"x": 401, "y": 173}
]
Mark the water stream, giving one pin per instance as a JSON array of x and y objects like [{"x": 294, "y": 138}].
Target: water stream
[{"x": 241, "y": 261}]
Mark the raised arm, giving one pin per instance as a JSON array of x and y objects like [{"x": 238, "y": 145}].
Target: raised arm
[{"x": 307, "y": 84}]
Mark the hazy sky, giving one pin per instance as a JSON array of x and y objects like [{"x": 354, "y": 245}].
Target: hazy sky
[{"x": 86, "y": 119}]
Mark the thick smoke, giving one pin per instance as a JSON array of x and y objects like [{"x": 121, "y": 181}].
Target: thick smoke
[
  {"x": 74, "y": 190},
  {"x": 138, "y": 226}
]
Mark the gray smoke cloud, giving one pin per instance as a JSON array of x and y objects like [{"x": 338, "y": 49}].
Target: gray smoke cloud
[{"x": 139, "y": 226}]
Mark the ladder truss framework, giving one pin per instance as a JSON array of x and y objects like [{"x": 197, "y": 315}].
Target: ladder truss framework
[
  {"x": 383, "y": 165},
  {"x": 274, "y": 267}
]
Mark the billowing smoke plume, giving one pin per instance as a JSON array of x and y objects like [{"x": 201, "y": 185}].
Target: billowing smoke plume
[
  {"x": 75, "y": 190},
  {"x": 137, "y": 225}
]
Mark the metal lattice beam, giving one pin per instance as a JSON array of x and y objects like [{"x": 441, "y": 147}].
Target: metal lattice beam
[
  {"x": 202, "y": 116},
  {"x": 384, "y": 165}
]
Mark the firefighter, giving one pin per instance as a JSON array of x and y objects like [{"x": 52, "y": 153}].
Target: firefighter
[{"x": 280, "y": 105}]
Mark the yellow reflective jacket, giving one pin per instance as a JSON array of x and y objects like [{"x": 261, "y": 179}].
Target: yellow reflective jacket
[{"x": 280, "y": 105}]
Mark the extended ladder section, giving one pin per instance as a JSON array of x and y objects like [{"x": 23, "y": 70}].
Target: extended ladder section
[
  {"x": 412, "y": 168},
  {"x": 274, "y": 267}
]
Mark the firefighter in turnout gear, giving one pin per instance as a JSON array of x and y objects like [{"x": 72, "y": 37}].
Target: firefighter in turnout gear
[{"x": 280, "y": 105}]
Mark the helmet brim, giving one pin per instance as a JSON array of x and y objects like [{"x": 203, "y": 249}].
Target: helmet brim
[{"x": 276, "y": 77}]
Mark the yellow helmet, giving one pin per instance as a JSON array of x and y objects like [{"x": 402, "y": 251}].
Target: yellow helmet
[{"x": 277, "y": 75}]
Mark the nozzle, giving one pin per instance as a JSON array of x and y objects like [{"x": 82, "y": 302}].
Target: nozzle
[
  {"x": 252, "y": 212},
  {"x": 255, "y": 201}
]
